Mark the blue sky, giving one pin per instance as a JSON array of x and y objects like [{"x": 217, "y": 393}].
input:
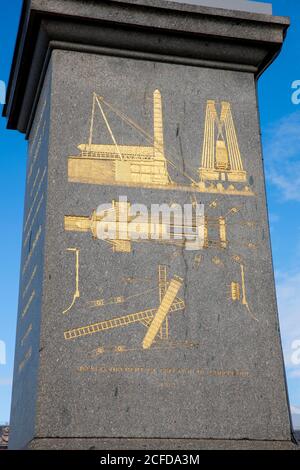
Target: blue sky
[{"x": 280, "y": 120}]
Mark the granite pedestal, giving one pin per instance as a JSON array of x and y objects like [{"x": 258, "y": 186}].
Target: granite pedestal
[{"x": 156, "y": 102}]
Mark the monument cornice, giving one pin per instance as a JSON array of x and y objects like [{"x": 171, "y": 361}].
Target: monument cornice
[{"x": 141, "y": 29}]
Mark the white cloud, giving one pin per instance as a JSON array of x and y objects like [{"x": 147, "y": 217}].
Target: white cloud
[
  {"x": 288, "y": 294},
  {"x": 282, "y": 155},
  {"x": 2, "y": 92},
  {"x": 296, "y": 420},
  {"x": 2, "y": 353},
  {"x": 295, "y": 410}
]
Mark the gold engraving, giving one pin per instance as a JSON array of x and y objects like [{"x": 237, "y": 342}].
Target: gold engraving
[
  {"x": 104, "y": 302},
  {"x": 238, "y": 290},
  {"x": 214, "y": 204},
  {"x": 36, "y": 153},
  {"x": 237, "y": 258},
  {"x": 123, "y": 228},
  {"x": 101, "y": 350},
  {"x": 26, "y": 308},
  {"x": 35, "y": 181},
  {"x": 27, "y": 356},
  {"x": 162, "y": 312},
  {"x": 39, "y": 123},
  {"x": 76, "y": 292},
  {"x": 148, "y": 166},
  {"x": 168, "y": 303},
  {"x": 137, "y": 165},
  {"x": 30, "y": 281},
  {"x": 36, "y": 239},
  {"x": 35, "y": 198},
  {"x": 164, "y": 371},
  {"x": 221, "y": 158},
  {"x": 163, "y": 287},
  {"x": 217, "y": 261},
  {"x": 99, "y": 303},
  {"x": 33, "y": 220},
  {"x": 144, "y": 317},
  {"x": 235, "y": 291},
  {"x": 218, "y": 240},
  {"x": 252, "y": 246},
  {"x": 244, "y": 298},
  {"x": 198, "y": 260},
  {"x": 28, "y": 331}
]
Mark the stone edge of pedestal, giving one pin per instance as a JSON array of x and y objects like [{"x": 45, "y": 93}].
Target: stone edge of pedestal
[
  {"x": 40, "y": 33},
  {"x": 236, "y": 5},
  {"x": 157, "y": 444},
  {"x": 64, "y": 6}
]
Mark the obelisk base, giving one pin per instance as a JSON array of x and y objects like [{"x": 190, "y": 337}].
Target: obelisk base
[{"x": 159, "y": 444}]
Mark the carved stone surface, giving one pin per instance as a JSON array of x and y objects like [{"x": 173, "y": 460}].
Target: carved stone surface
[
  {"x": 145, "y": 344},
  {"x": 241, "y": 5}
]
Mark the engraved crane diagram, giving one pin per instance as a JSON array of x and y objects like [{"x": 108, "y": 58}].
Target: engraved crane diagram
[{"x": 156, "y": 320}]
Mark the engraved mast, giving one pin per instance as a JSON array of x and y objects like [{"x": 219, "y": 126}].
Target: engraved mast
[{"x": 159, "y": 152}]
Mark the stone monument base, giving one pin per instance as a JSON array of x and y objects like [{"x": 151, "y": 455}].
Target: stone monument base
[
  {"x": 159, "y": 444},
  {"x": 154, "y": 344}
]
